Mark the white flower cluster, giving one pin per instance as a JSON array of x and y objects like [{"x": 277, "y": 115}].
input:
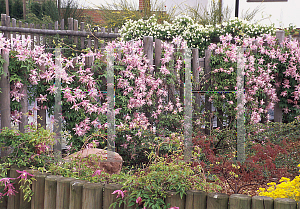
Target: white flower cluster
[{"x": 196, "y": 35}]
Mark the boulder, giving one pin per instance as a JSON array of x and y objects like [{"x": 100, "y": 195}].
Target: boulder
[{"x": 108, "y": 161}]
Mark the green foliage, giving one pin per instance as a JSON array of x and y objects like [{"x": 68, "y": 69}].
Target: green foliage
[
  {"x": 163, "y": 174},
  {"x": 26, "y": 149}
]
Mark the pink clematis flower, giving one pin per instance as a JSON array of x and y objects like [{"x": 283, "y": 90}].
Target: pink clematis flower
[
  {"x": 120, "y": 192},
  {"x": 97, "y": 172},
  {"x": 139, "y": 200},
  {"x": 24, "y": 174}
]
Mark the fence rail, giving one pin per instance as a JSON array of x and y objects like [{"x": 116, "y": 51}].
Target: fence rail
[
  {"x": 36, "y": 33},
  {"x": 56, "y": 192}
]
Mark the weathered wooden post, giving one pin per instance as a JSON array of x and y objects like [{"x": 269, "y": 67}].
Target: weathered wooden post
[
  {"x": 24, "y": 204},
  {"x": 240, "y": 201},
  {"x": 38, "y": 188},
  {"x": 157, "y": 54},
  {"x": 207, "y": 71},
  {"x": 41, "y": 112},
  {"x": 14, "y": 200},
  {"x": 51, "y": 191},
  {"x": 4, "y": 84},
  {"x": 261, "y": 202},
  {"x": 195, "y": 199},
  {"x": 285, "y": 203},
  {"x": 92, "y": 196},
  {"x": 76, "y": 189},
  {"x": 108, "y": 197},
  {"x": 175, "y": 200},
  {"x": 63, "y": 193},
  {"x": 148, "y": 49},
  {"x": 277, "y": 109},
  {"x": 217, "y": 201}
]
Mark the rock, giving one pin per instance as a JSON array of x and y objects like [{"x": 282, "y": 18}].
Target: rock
[{"x": 108, "y": 161}]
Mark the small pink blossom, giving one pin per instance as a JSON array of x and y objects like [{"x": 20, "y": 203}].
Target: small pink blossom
[
  {"x": 139, "y": 200},
  {"x": 24, "y": 174},
  {"x": 119, "y": 192},
  {"x": 97, "y": 172}
]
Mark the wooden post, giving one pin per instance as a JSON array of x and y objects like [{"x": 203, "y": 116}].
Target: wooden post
[
  {"x": 102, "y": 45},
  {"x": 108, "y": 197},
  {"x": 38, "y": 188},
  {"x": 217, "y": 201},
  {"x": 63, "y": 193},
  {"x": 32, "y": 36},
  {"x": 157, "y": 55},
  {"x": 76, "y": 29},
  {"x": 240, "y": 201},
  {"x": 207, "y": 72},
  {"x": 38, "y": 39},
  {"x": 41, "y": 113},
  {"x": 148, "y": 49},
  {"x": 92, "y": 195},
  {"x": 50, "y": 191},
  {"x": 70, "y": 27},
  {"x": 14, "y": 200},
  {"x": 195, "y": 63},
  {"x": 24, "y": 204},
  {"x": 261, "y": 202},
  {"x": 76, "y": 194},
  {"x": 24, "y": 108},
  {"x": 175, "y": 200},
  {"x": 285, "y": 203},
  {"x": 14, "y": 24},
  {"x": 298, "y": 207},
  {"x": 44, "y": 36},
  {"x": 82, "y": 38},
  {"x": 5, "y": 92},
  {"x": 277, "y": 109},
  {"x": 195, "y": 199}
]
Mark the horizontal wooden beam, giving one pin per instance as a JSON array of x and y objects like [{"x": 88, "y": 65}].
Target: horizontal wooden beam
[{"x": 59, "y": 32}]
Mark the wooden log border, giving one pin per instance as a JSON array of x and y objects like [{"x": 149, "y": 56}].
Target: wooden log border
[{"x": 63, "y": 192}]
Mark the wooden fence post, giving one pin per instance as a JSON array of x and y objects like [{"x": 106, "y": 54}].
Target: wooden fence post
[
  {"x": 157, "y": 54},
  {"x": 14, "y": 200},
  {"x": 148, "y": 49},
  {"x": 175, "y": 200},
  {"x": 240, "y": 201},
  {"x": 195, "y": 68},
  {"x": 24, "y": 109},
  {"x": 261, "y": 202},
  {"x": 41, "y": 113},
  {"x": 63, "y": 193},
  {"x": 24, "y": 204},
  {"x": 50, "y": 191},
  {"x": 76, "y": 194},
  {"x": 217, "y": 201},
  {"x": 92, "y": 196},
  {"x": 38, "y": 188},
  {"x": 285, "y": 203},
  {"x": 4, "y": 83},
  {"x": 108, "y": 197},
  {"x": 277, "y": 109},
  {"x": 195, "y": 199},
  {"x": 207, "y": 72}
]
